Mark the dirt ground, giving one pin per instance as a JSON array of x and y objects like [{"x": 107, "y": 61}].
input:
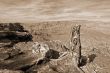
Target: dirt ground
[{"x": 94, "y": 40}]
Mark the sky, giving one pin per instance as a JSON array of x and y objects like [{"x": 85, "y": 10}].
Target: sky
[{"x": 54, "y": 10}]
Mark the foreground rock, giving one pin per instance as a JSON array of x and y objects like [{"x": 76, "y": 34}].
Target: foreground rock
[
  {"x": 60, "y": 65},
  {"x": 49, "y": 57},
  {"x": 9, "y": 71},
  {"x": 34, "y": 57}
]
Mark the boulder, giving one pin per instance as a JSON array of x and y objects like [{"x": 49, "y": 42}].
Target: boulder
[{"x": 9, "y": 71}]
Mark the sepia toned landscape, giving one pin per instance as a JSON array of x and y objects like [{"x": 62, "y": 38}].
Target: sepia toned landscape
[{"x": 54, "y": 36}]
